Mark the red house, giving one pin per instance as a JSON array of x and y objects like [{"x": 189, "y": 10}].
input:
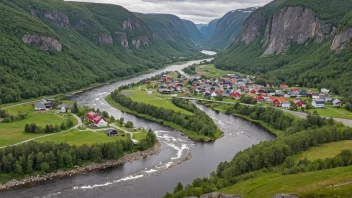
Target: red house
[
  {"x": 99, "y": 121},
  {"x": 236, "y": 95},
  {"x": 259, "y": 98},
  {"x": 91, "y": 116},
  {"x": 278, "y": 101},
  {"x": 283, "y": 86},
  {"x": 299, "y": 104},
  {"x": 295, "y": 89}
]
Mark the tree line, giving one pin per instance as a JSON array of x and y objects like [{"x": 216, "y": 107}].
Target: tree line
[
  {"x": 11, "y": 118},
  {"x": 198, "y": 123},
  {"x": 264, "y": 156},
  {"x": 49, "y": 128},
  {"x": 34, "y": 157}
]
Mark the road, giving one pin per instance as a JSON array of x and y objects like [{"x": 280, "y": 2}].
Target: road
[{"x": 302, "y": 115}]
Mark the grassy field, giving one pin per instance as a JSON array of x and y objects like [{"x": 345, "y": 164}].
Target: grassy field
[
  {"x": 326, "y": 150},
  {"x": 331, "y": 111},
  {"x": 154, "y": 99},
  {"x": 301, "y": 184},
  {"x": 13, "y": 132},
  {"x": 210, "y": 71},
  {"x": 139, "y": 136},
  {"x": 76, "y": 137}
]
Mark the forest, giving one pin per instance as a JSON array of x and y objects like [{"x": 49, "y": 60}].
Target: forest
[
  {"x": 29, "y": 72},
  {"x": 34, "y": 157}
]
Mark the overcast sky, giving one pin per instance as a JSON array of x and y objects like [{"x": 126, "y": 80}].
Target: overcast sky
[{"x": 198, "y": 11}]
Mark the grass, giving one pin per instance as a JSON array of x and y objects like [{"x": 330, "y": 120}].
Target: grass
[
  {"x": 142, "y": 96},
  {"x": 274, "y": 183},
  {"x": 210, "y": 71},
  {"x": 326, "y": 150},
  {"x": 330, "y": 111},
  {"x": 75, "y": 137},
  {"x": 13, "y": 132},
  {"x": 140, "y": 136}
]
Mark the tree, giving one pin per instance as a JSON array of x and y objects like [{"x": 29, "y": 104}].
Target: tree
[
  {"x": 63, "y": 126},
  {"x": 178, "y": 188},
  {"x": 44, "y": 166},
  {"x": 27, "y": 128},
  {"x": 105, "y": 114},
  {"x": 218, "y": 97},
  {"x": 129, "y": 124},
  {"x": 75, "y": 108},
  {"x": 18, "y": 167},
  {"x": 121, "y": 121}
]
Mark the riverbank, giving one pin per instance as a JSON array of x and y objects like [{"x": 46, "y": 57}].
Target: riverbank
[
  {"x": 88, "y": 168},
  {"x": 189, "y": 134},
  {"x": 260, "y": 123}
]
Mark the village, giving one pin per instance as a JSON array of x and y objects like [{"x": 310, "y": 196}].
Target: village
[{"x": 234, "y": 87}]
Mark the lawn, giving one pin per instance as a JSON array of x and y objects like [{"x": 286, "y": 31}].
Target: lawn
[
  {"x": 142, "y": 96},
  {"x": 210, "y": 71},
  {"x": 330, "y": 111},
  {"x": 140, "y": 136},
  {"x": 275, "y": 183},
  {"x": 75, "y": 137},
  {"x": 13, "y": 132},
  {"x": 326, "y": 150}
]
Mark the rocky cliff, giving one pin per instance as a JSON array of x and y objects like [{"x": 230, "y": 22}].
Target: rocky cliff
[
  {"x": 288, "y": 25},
  {"x": 58, "y": 18},
  {"x": 43, "y": 42},
  {"x": 341, "y": 40}
]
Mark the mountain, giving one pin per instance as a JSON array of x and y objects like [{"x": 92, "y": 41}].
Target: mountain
[
  {"x": 209, "y": 29},
  {"x": 228, "y": 28},
  {"x": 193, "y": 32},
  {"x": 170, "y": 28},
  {"x": 199, "y": 26},
  {"x": 301, "y": 43},
  {"x": 51, "y": 46}
]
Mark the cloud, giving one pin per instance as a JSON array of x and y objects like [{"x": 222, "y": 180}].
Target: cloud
[{"x": 198, "y": 11}]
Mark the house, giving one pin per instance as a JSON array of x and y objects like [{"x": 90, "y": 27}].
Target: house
[
  {"x": 91, "y": 115},
  {"x": 318, "y": 103},
  {"x": 39, "y": 106},
  {"x": 213, "y": 94},
  {"x": 324, "y": 90},
  {"x": 225, "y": 94},
  {"x": 259, "y": 98},
  {"x": 325, "y": 97},
  {"x": 164, "y": 91},
  {"x": 299, "y": 104},
  {"x": 337, "y": 103},
  {"x": 314, "y": 96},
  {"x": 295, "y": 89},
  {"x": 100, "y": 121},
  {"x": 236, "y": 95},
  {"x": 62, "y": 108},
  {"x": 286, "y": 104},
  {"x": 283, "y": 86},
  {"x": 112, "y": 132},
  {"x": 278, "y": 101},
  {"x": 270, "y": 99},
  {"x": 279, "y": 93}
]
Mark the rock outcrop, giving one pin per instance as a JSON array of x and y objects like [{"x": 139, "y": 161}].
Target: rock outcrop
[
  {"x": 341, "y": 40},
  {"x": 58, "y": 18},
  {"x": 45, "y": 43},
  {"x": 122, "y": 37},
  {"x": 288, "y": 25},
  {"x": 132, "y": 23},
  {"x": 293, "y": 25},
  {"x": 252, "y": 29},
  {"x": 219, "y": 195},
  {"x": 141, "y": 40},
  {"x": 105, "y": 39}
]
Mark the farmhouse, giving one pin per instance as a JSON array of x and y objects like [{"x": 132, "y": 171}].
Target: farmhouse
[
  {"x": 286, "y": 105},
  {"x": 39, "y": 106},
  {"x": 62, "y": 108},
  {"x": 100, "y": 121},
  {"x": 278, "y": 101},
  {"x": 318, "y": 103},
  {"x": 337, "y": 103}
]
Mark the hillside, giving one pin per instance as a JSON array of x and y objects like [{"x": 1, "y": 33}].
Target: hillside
[
  {"x": 52, "y": 46},
  {"x": 170, "y": 28},
  {"x": 208, "y": 30},
  {"x": 193, "y": 32},
  {"x": 303, "y": 43},
  {"x": 228, "y": 28}
]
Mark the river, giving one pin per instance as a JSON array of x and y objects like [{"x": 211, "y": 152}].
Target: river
[{"x": 158, "y": 174}]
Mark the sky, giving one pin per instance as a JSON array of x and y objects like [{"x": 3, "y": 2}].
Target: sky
[{"x": 198, "y": 11}]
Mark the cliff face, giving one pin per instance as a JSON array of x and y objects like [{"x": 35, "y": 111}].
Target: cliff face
[
  {"x": 293, "y": 24},
  {"x": 59, "y": 19},
  {"x": 45, "y": 43},
  {"x": 287, "y": 26},
  {"x": 341, "y": 40}
]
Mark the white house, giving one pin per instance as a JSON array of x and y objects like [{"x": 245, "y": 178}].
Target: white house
[
  {"x": 318, "y": 103},
  {"x": 213, "y": 94},
  {"x": 286, "y": 105},
  {"x": 100, "y": 122},
  {"x": 324, "y": 90},
  {"x": 62, "y": 108},
  {"x": 337, "y": 103}
]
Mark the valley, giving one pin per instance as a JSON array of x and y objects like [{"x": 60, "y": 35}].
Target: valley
[{"x": 97, "y": 100}]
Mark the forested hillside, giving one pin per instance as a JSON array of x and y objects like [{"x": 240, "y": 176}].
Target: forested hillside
[
  {"x": 195, "y": 35},
  {"x": 301, "y": 43},
  {"x": 228, "y": 28},
  {"x": 51, "y": 46}
]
